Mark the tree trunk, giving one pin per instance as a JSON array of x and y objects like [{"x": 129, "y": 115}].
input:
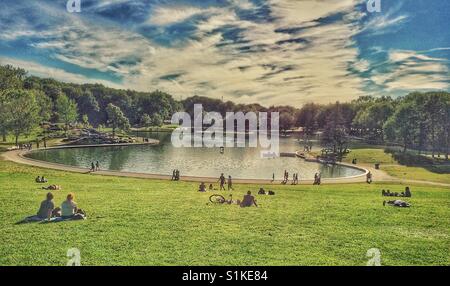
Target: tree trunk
[
  {"x": 17, "y": 140},
  {"x": 114, "y": 132},
  {"x": 3, "y": 136},
  {"x": 432, "y": 143}
]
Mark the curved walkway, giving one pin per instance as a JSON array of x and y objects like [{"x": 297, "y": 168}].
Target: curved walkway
[{"x": 17, "y": 156}]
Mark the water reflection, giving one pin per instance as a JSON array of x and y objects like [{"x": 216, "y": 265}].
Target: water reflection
[{"x": 209, "y": 162}]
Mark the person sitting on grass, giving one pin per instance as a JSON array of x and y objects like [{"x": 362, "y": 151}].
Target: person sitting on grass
[
  {"x": 38, "y": 179},
  {"x": 248, "y": 200},
  {"x": 45, "y": 210},
  {"x": 408, "y": 192},
  {"x": 383, "y": 193},
  {"x": 202, "y": 187},
  {"x": 211, "y": 187},
  {"x": 261, "y": 191},
  {"x": 69, "y": 209}
]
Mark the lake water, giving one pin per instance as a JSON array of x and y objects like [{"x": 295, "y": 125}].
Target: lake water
[{"x": 244, "y": 163}]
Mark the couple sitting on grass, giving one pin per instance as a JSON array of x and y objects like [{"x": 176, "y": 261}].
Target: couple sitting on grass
[
  {"x": 41, "y": 179},
  {"x": 247, "y": 201},
  {"x": 67, "y": 211}
]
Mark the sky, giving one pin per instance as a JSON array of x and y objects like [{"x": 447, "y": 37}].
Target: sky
[{"x": 282, "y": 52}]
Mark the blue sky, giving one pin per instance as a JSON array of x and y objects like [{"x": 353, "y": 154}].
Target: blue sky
[{"x": 265, "y": 51}]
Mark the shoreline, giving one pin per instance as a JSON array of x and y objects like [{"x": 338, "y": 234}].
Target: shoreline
[{"x": 19, "y": 156}]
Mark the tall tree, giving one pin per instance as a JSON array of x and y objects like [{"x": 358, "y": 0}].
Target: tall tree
[
  {"x": 67, "y": 110},
  {"x": 403, "y": 126},
  {"x": 10, "y": 78},
  {"x": 116, "y": 118},
  {"x": 307, "y": 118},
  {"x": 371, "y": 119},
  {"x": 335, "y": 133},
  {"x": 145, "y": 121},
  {"x": 23, "y": 112}
]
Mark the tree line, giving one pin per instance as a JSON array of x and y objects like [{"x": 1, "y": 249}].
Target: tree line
[
  {"x": 418, "y": 121},
  {"x": 28, "y": 101}
]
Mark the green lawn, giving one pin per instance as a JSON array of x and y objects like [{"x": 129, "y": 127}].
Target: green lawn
[
  {"x": 370, "y": 156},
  {"x": 416, "y": 173},
  {"x": 146, "y": 222},
  {"x": 393, "y": 168}
]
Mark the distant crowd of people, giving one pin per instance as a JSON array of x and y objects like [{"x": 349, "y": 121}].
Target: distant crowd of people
[
  {"x": 27, "y": 146},
  {"x": 41, "y": 179},
  {"x": 388, "y": 193}
]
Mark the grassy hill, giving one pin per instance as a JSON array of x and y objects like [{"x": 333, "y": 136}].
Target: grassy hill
[{"x": 146, "y": 222}]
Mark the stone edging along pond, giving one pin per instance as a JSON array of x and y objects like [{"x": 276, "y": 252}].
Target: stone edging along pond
[{"x": 19, "y": 156}]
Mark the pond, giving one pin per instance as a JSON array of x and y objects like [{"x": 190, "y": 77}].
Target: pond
[{"x": 243, "y": 163}]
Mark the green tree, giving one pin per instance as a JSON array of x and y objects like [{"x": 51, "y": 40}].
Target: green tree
[
  {"x": 157, "y": 120},
  {"x": 335, "y": 134},
  {"x": 116, "y": 118},
  {"x": 45, "y": 105},
  {"x": 372, "y": 118},
  {"x": 4, "y": 116},
  {"x": 307, "y": 118},
  {"x": 402, "y": 127},
  {"x": 145, "y": 121},
  {"x": 22, "y": 112},
  {"x": 10, "y": 78},
  {"x": 286, "y": 122},
  {"x": 85, "y": 120},
  {"x": 66, "y": 110}
]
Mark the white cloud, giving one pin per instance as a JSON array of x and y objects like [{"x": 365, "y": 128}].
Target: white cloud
[
  {"x": 413, "y": 71},
  {"x": 311, "y": 64},
  {"x": 37, "y": 69},
  {"x": 166, "y": 15}
]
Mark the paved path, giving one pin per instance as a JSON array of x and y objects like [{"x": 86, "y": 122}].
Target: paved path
[{"x": 17, "y": 156}]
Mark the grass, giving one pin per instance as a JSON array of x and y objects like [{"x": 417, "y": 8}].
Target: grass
[
  {"x": 148, "y": 222},
  {"x": 416, "y": 173},
  {"x": 370, "y": 156},
  {"x": 393, "y": 167}
]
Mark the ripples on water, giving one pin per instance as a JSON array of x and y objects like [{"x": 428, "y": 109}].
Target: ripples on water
[{"x": 205, "y": 162}]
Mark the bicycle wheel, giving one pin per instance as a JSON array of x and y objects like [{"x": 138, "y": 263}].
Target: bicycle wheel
[{"x": 217, "y": 199}]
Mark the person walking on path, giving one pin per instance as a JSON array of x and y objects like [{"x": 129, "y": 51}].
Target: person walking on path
[
  {"x": 222, "y": 182},
  {"x": 230, "y": 184}
]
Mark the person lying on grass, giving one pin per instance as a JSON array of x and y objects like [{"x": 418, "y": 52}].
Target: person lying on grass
[
  {"x": 397, "y": 203},
  {"x": 69, "y": 209},
  {"x": 248, "y": 200},
  {"x": 52, "y": 187}
]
